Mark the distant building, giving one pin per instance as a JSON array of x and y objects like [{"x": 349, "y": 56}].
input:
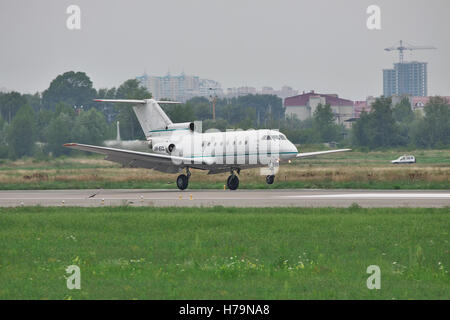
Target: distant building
[
  {"x": 267, "y": 90},
  {"x": 208, "y": 88},
  {"x": 283, "y": 93},
  {"x": 389, "y": 82},
  {"x": 361, "y": 106},
  {"x": 365, "y": 105},
  {"x": 406, "y": 78},
  {"x": 303, "y": 106},
  {"x": 240, "y": 91},
  {"x": 286, "y": 91},
  {"x": 179, "y": 88},
  {"x": 416, "y": 103},
  {"x": 184, "y": 87}
]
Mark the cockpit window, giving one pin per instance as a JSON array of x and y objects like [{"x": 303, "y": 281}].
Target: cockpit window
[
  {"x": 266, "y": 138},
  {"x": 278, "y": 137}
]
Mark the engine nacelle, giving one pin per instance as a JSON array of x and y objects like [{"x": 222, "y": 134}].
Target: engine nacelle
[
  {"x": 181, "y": 126},
  {"x": 167, "y": 148}
]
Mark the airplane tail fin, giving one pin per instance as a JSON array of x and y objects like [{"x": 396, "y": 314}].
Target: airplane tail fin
[{"x": 153, "y": 120}]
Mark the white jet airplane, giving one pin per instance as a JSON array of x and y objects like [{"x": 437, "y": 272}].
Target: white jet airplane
[{"x": 177, "y": 147}]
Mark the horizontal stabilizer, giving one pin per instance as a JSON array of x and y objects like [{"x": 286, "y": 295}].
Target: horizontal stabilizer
[
  {"x": 132, "y": 101},
  {"x": 120, "y": 100}
]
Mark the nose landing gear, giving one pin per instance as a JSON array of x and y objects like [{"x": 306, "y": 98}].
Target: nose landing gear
[{"x": 273, "y": 166}]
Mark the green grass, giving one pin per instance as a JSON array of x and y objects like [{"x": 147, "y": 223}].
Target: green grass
[
  {"x": 224, "y": 253},
  {"x": 196, "y": 185},
  {"x": 357, "y": 170}
]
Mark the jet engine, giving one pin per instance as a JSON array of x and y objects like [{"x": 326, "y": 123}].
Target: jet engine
[
  {"x": 181, "y": 126},
  {"x": 166, "y": 147}
]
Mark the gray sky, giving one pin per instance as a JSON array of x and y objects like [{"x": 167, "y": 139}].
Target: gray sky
[{"x": 322, "y": 44}]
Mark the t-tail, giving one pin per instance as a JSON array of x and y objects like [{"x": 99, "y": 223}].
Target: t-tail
[{"x": 153, "y": 120}]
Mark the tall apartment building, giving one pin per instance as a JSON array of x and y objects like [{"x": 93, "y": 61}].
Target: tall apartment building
[
  {"x": 408, "y": 78},
  {"x": 179, "y": 88}
]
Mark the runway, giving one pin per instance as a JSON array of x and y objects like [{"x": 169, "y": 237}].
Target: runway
[{"x": 238, "y": 198}]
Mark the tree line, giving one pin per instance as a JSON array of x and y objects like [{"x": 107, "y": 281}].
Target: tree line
[
  {"x": 398, "y": 126},
  {"x": 39, "y": 124}
]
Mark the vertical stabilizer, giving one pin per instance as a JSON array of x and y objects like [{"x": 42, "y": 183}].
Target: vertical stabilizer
[
  {"x": 151, "y": 117},
  {"x": 153, "y": 120}
]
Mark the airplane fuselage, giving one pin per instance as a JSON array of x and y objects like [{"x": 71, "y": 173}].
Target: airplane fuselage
[{"x": 250, "y": 148}]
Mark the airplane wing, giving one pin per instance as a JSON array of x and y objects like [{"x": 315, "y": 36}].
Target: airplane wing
[
  {"x": 311, "y": 154},
  {"x": 136, "y": 159}
]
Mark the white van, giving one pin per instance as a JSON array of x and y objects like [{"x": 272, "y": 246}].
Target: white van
[{"x": 404, "y": 159}]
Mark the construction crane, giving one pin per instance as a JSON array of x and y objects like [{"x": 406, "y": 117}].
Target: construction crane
[{"x": 402, "y": 46}]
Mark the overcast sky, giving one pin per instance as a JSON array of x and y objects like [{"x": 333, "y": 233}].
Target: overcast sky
[{"x": 322, "y": 44}]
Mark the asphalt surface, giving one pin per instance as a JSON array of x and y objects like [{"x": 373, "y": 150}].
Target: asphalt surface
[{"x": 238, "y": 198}]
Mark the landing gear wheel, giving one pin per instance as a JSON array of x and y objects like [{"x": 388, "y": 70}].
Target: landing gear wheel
[
  {"x": 270, "y": 179},
  {"x": 182, "y": 181},
  {"x": 233, "y": 182}
]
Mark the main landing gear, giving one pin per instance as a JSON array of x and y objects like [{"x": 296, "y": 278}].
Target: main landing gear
[
  {"x": 270, "y": 179},
  {"x": 233, "y": 180},
  {"x": 183, "y": 180}
]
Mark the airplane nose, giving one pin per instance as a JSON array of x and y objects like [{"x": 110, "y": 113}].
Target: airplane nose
[
  {"x": 292, "y": 147},
  {"x": 290, "y": 150}
]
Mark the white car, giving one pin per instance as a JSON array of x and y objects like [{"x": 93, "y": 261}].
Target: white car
[{"x": 404, "y": 159}]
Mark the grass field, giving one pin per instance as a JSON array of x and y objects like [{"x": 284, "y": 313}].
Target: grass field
[
  {"x": 224, "y": 253},
  {"x": 358, "y": 170}
]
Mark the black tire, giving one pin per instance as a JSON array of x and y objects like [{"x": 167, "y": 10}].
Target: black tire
[
  {"x": 233, "y": 182},
  {"x": 270, "y": 179},
  {"x": 182, "y": 182}
]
